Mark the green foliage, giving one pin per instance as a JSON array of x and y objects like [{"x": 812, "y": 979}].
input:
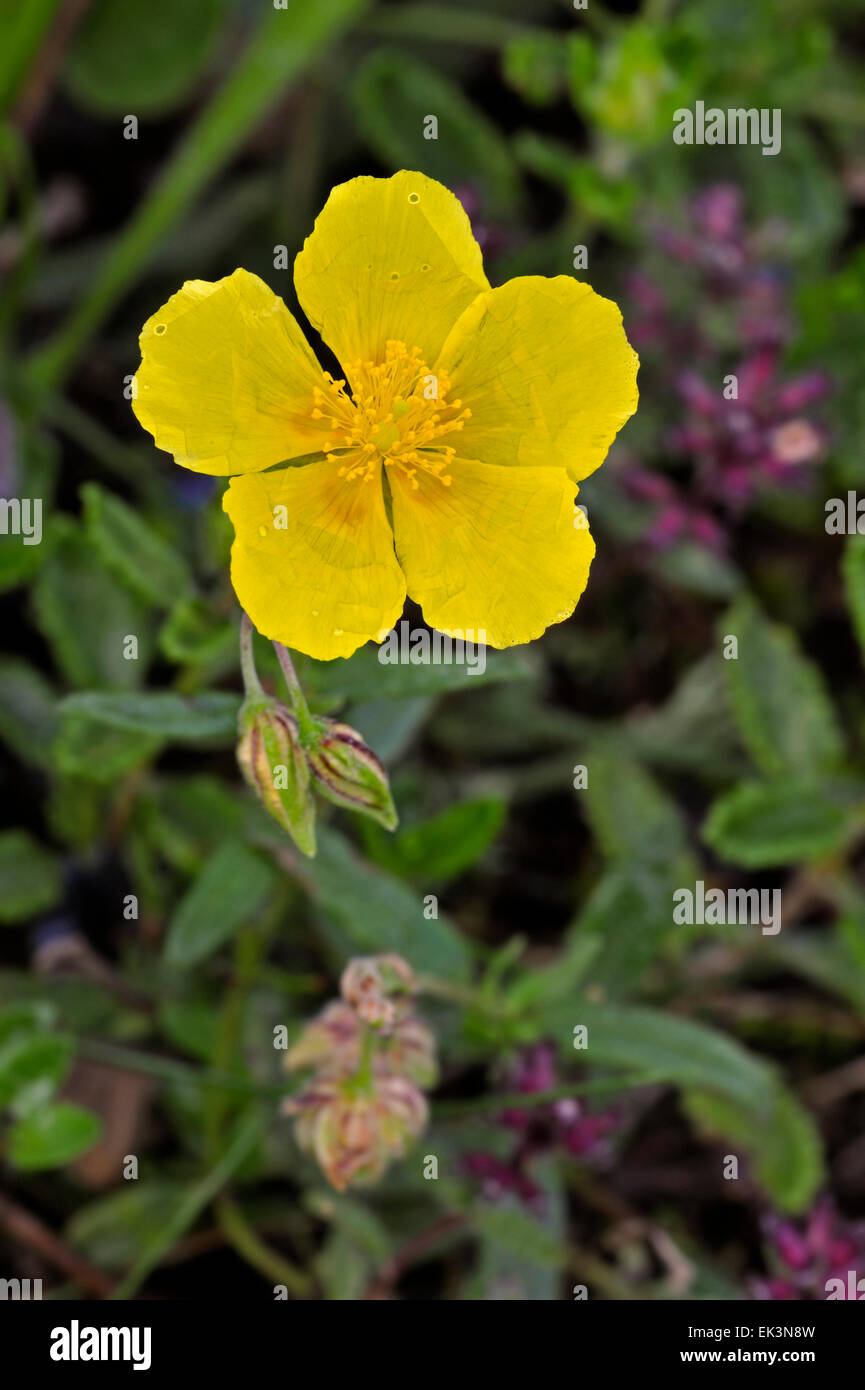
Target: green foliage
[
  {"x": 28, "y": 719},
  {"x": 210, "y": 717},
  {"x": 393, "y": 97},
  {"x": 364, "y": 676},
  {"x": 743, "y": 1099},
  {"x": 120, "y": 694},
  {"x": 371, "y": 911},
  {"x": 32, "y": 1066},
  {"x": 71, "y": 588},
  {"x": 633, "y": 90},
  {"x": 854, "y": 584},
  {"x": 779, "y": 699},
  {"x": 230, "y": 891},
  {"x": 782, "y": 822},
  {"x": 148, "y": 68},
  {"x": 440, "y": 847},
  {"x": 192, "y": 632},
  {"x": 787, "y": 1155},
  {"x": 628, "y": 916},
  {"x": 99, "y": 752},
  {"x": 111, "y": 1230},
  {"x": 34, "y": 1062},
  {"x": 516, "y": 1232},
  {"x": 51, "y": 1136},
  {"x": 139, "y": 558},
  {"x": 630, "y": 817},
  {"x": 29, "y": 877}
]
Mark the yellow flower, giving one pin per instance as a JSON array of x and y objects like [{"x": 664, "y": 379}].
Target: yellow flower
[{"x": 443, "y": 465}]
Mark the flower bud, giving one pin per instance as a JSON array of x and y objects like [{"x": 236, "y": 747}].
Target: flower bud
[
  {"x": 330, "y": 1043},
  {"x": 379, "y": 988},
  {"x": 355, "y": 1136},
  {"x": 349, "y": 774},
  {"x": 272, "y": 762},
  {"x": 410, "y": 1051}
]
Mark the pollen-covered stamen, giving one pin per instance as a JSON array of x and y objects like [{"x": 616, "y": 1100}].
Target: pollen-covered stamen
[{"x": 398, "y": 414}]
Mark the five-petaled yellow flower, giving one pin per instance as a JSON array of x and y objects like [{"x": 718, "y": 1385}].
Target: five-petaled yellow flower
[{"x": 444, "y": 465}]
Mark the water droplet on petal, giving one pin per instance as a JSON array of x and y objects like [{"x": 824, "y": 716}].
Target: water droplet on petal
[
  {"x": 160, "y": 328},
  {"x": 394, "y": 275},
  {"x": 414, "y": 197}
]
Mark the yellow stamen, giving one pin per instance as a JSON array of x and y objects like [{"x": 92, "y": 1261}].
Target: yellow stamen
[{"x": 389, "y": 417}]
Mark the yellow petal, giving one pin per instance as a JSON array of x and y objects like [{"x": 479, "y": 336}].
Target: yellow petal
[
  {"x": 547, "y": 372},
  {"x": 226, "y": 378},
  {"x": 320, "y": 575},
  {"x": 388, "y": 260},
  {"x": 495, "y": 556}
]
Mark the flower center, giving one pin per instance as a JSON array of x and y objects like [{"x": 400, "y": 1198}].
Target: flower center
[{"x": 397, "y": 414}]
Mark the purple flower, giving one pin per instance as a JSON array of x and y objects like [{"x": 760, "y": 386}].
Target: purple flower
[
  {"x": 561, "y": 1125},
  {"x": 805, "y": 1255},
  {"x": 741, "y": 438}
]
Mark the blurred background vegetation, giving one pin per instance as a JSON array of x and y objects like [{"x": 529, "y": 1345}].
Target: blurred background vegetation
[{"x": 151, "y": 1035}]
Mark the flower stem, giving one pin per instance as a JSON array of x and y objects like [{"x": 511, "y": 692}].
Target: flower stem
[
  {"x": 360, "y": 1083},
  {"x": 305, "y": 722},
  {"x": 251, "y": 684},
  {"x": 248, "y": 1244}
]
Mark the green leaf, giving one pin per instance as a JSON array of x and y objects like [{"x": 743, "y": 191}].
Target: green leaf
[
  {"x": 72, "y": 588},
  {"x": 99, "y": 752},
  {"x": 786, "y": 1149},
  {"x": 29, "y": 877},
  {"x": 628, "y": 916},
  {"x": 18, "y": 562},
  {"x": 354, "y": 1219},
  {"x": 631, "y": 817},
  {"x": 192, "y": 1027},
  {"x": 113, "y": 1230},
  {"x": 666, "y": 1048},
  {"x": 28, "y": 718},
  {"x": 693, "y": 567},
  {"x": 440, "y": 847},
  {"x": 535, "y": 66},
  {"x": 342, "y": 1268},
  {"x": 32, "y": 1066},
  {"x": 853, "y": 570},
  {"x": 634, "y": 90},
  {"x": 538, "y": 989},
  {"x": 191, "y": 816},
  {"x": 374, "y": 912},
  {"x": 76, "y": 809},
  {"x": 365, "y": 676},
  {"x": 52, "y": 1136},
  {"x": 22, "y": 31},
  {"x": 779, "y": 699},
  {"x": 229, "y": 891},
  {"x": 393, "y": 95},
  {"x": 761, "y": 824},
  {"x": 693, "y": 730},
  {"x": 209, "y": 717},
  {"x": 111, "y": 69},
  {"x": 20, "y": 1020},
  {"x": 512, "y": 1229},
  {"x": 193, "y": 633},
  {"x": 390, "y": 726},
  {"x": 131, "y": 550}
]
